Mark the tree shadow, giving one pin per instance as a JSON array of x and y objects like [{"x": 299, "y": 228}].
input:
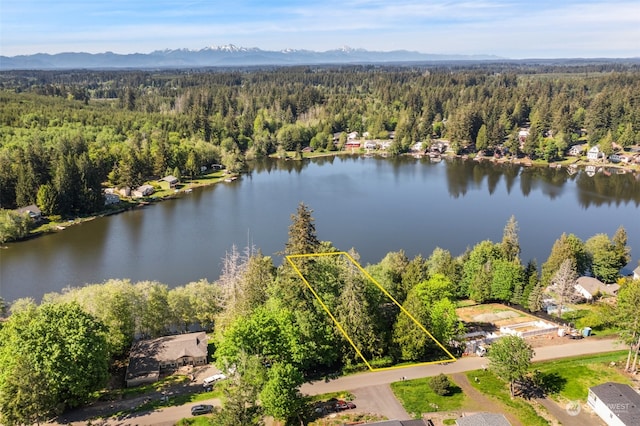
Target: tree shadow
[{"x": 539, "y": 385}]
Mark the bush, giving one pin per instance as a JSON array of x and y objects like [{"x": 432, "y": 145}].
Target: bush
[{"x": 440, "y": 385}]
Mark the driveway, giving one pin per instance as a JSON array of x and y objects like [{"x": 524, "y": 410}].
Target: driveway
[{"x": 379, "y": 400}]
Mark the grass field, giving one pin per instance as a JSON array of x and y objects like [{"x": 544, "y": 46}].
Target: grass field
[
  {"x": 417, "y": 397},
  {"x": 578, "y": 374},
  {"x": 498, "y": 390}
]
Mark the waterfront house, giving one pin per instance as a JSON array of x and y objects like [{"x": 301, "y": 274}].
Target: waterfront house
[
  {"x": 576, "y": 150},
  {"x": 594, "y": 153},
  {"x": 353, "y": 144},
  {"x": 32, "y": 210},
  {"x": 142, "y": 191},
  {"x": 370, "y": 145},
  {"x": 148, "y": 358},
  {"x": 617, "y": 404},
  {"x": 172, "y": 181},
  {"x": 590, "y": 288}
]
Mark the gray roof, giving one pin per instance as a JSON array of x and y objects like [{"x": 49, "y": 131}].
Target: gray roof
[
  {"x": 416, "y": 422},
  {"x": 621, "y": 399},
  {"x": 483, "y": 419},
  {"x": 170, "y": 179},
  {"x": 594, "y": 285},
  {"x": 147, "y": 355}
]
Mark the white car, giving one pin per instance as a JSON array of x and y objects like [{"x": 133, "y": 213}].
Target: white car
[{"x": 212, "y": 379}]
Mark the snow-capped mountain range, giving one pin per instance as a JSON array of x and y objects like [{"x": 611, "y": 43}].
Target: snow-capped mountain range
[{"x": 221, "y": 56}]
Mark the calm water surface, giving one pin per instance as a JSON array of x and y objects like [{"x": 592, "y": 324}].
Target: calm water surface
[{"x": 374, "y": 205}]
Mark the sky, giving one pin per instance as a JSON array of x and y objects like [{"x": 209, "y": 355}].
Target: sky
[{"x": 507, "y": 28}]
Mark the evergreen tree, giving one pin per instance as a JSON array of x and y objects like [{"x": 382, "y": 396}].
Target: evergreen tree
[
  {"x": 510, "y": 245},
  {"x": 566, "y": 247}
]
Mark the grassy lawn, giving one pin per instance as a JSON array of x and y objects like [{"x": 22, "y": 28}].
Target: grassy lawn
[
  {"x": 498, "y": 390},
  {"x": 417, "y": 397},
  {"x": 576, "y": 375}
]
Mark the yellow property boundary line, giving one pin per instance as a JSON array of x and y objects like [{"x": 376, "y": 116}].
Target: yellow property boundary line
[{"x": 386, "y": 293}]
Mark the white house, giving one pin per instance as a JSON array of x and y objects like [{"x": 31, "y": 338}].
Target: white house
[
  {"x": 594, "y": 153},
  {"x": 589, "y": 287},
  {"x": 370, "y": 145},
  {"x": 616, "y": 404},
  {"x": 576, "y": 150}
]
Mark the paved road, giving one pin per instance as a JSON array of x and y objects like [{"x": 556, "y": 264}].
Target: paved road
[
  {"x": 379, "y": 380},
  {"x": 356, "y": 381}
]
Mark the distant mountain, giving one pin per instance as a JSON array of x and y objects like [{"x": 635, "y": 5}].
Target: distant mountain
[{"x": 216, "y": 56}]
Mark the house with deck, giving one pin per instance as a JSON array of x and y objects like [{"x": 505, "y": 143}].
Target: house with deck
[{"x": 148, "y": 358}]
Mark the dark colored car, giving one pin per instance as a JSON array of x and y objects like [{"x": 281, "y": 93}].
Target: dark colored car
[
  {"x": 344, "y": 405},
  {"x": 196, "y": 410}
]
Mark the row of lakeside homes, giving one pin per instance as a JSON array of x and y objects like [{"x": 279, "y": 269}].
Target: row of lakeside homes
[{"x": 355, "y": 142}]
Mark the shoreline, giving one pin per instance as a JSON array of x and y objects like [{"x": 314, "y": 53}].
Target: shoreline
[{"x": 220, "y": 176}]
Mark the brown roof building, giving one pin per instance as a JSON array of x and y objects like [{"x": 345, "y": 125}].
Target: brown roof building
[{"x": 149, "y": 357}]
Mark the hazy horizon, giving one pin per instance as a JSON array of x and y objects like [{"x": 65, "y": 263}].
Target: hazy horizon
[{"x": 527, "y": 29}]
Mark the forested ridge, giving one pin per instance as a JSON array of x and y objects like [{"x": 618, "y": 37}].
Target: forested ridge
[{"x": 66, "y": 134}]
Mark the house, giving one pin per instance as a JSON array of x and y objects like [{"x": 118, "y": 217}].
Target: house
[
  {"x": 353, "y": 144},
  {"x": 32, "y": 210},
  {"x": 149, "y": 357},
  {"x": 615, "y": 158},
  {"x": 636, "y": 273},
  {"x": 370, "y": 145},
  {"x": 142, "y": 191},
  {"x": 576, "y": 150},
  {"x": 352, "y": 136},
  {"x": 590, "y": 287},
  {"x": 594, "y": 153},
  {"x": 172, "y": 181},
  {"x": 523, "y": 134},
  {"x": 417, "y": 147},
  {"x": 111, "y": 198},
  {"x": 616, "y": 404},
  {"x": 483, "y": 419}
]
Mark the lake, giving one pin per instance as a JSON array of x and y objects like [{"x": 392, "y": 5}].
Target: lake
[{"x": 374, "y": 205}]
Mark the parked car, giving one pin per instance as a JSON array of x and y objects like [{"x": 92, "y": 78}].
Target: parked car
[
  {"x": 197, "y": 410},
  {"x": 344, "y": 405}
]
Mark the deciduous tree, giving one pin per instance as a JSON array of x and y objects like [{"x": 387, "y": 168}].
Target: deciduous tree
[
  {"x": 563, "y": 283},
  {"x": 510, "y": 359},
  {"x": 60, "y": 348}
]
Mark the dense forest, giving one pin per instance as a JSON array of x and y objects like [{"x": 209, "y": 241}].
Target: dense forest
[{"x": 66, "y": 134}]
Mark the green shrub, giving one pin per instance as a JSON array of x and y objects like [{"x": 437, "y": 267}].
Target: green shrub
[{"x": 440, "y": 385}]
